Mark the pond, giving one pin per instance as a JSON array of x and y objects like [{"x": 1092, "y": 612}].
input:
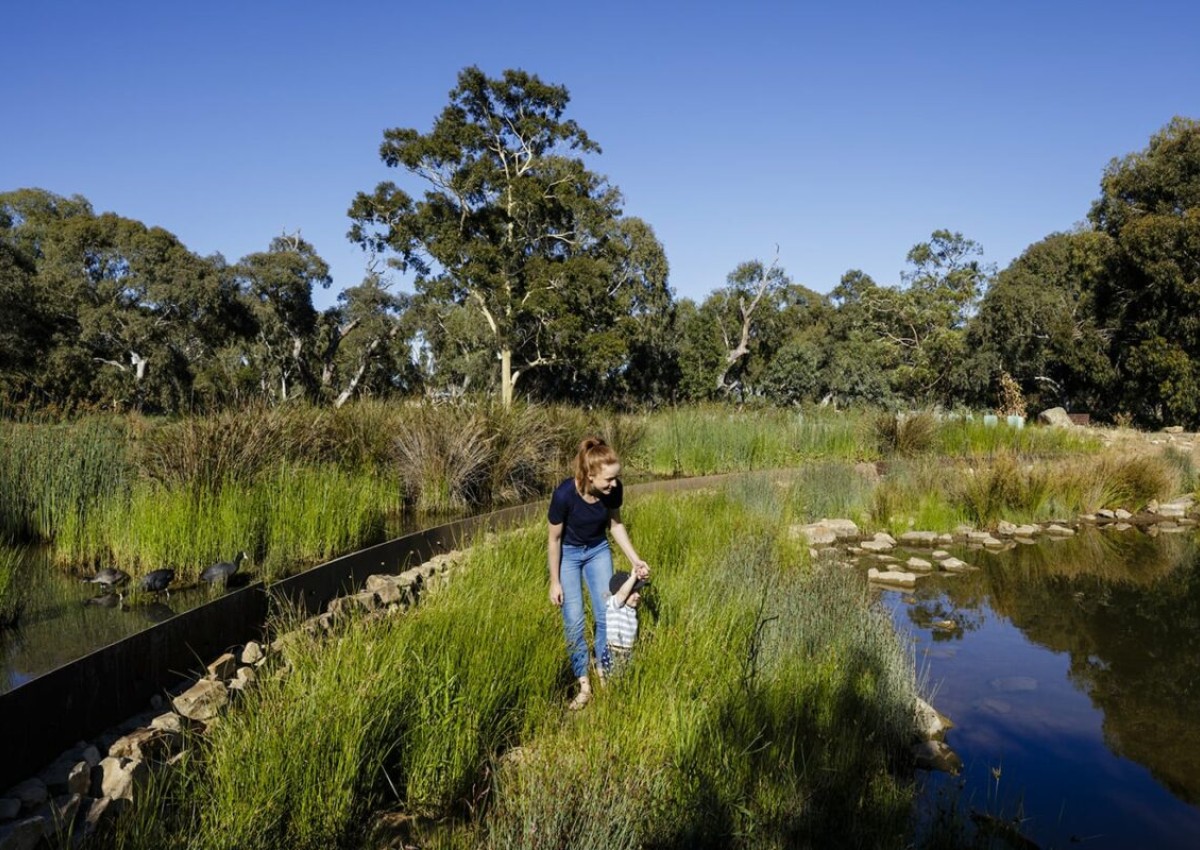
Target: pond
[
  {"x": 1071, "y": 670},
  {"x": 66, "y": 618}
]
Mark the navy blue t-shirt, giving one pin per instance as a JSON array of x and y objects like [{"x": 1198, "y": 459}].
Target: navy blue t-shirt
[{"x": 584, "y": 524}]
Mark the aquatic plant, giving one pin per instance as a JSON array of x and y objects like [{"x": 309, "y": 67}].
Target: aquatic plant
[{"x": 12, "y": 587}]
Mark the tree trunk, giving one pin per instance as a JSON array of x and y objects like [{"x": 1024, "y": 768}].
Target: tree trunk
[{"x": 506, "y": 382}]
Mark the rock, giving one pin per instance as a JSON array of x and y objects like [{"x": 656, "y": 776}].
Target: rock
[
  {"x": 117, "y": 778},
  {"x": 10, "y": 807},
  {"x": 202, "y": 701},
  {"x": 66, "y": 774},
  {"x": 993, "y": 543},
  {"x": 935, "y": 755},
  {"x": 845, "y": 529},
  {"x": 169, "y": 722},
  {"x": 1122, "y": 514},
  {"x": 1173, "y": 510},
  {"x": 1173, "y": 429},
  {"x": 1056, "y": 530},
  {"x": 1105, "y": 513},
  {"x": 1121, "y": 526},
  {"x": 894, "y": 577},
  {"x": 954, "y": 565},
  {"x": 150, "y": 744},
  {"x": 358, "y": 603},
  {"x": 918, "y": 564},
  {"x": 876, "y": 546},
  {"x": 31, "y": 793},
  {"x": 22, "y": 835},
  {"x": 947, "y": 626},
  {"x": 919, "y": 538},
  {"x": 928, "y": 722},
  {"x": 814, "y": 535},
  {"x": 1026, "y": 531},
  {"x": 1005, "y": 528},
  {"x": 252, "y": 653},
  {"x": 940, "y": 554},
  {"x": 223, "y": 667},
  {"x": 1055, "y": 417},
  {"x": 387, "y": 590}
]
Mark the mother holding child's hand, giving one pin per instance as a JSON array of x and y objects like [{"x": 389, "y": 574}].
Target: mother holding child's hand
[{"x": 583, "y": 510}]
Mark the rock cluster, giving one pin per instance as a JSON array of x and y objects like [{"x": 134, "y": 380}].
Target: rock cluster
[{"x": 93, "y": 781}]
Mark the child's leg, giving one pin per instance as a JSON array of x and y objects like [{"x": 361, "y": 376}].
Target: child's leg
[{"x": 597, "y": 572}]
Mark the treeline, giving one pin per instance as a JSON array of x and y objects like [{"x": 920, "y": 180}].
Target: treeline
[{"x": 529, "y": 279}]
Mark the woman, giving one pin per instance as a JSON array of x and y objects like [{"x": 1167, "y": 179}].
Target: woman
[{"x": 583, "y": 510}]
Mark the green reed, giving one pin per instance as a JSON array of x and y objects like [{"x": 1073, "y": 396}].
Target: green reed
[
  {"x": 13, "y": 594},
  {"x": 764, "y": 707},
  {"x": 712, "y": 439},
  {"x": 51, "y": 474}
]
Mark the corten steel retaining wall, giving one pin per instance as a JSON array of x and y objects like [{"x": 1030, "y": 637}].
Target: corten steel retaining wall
[{"x": 78, "y": 701}]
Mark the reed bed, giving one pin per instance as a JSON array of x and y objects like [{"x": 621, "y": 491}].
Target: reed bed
[
  {"x": 51, "y": 474},
  {"x": 710, "y": 439},
  {"x": 765, "y": 707},
  {"x": 12, "y": 587}
]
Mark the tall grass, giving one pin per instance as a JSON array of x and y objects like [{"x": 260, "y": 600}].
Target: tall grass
[
  {"x": 12, "y": 587},
  {"x": 287, "y": 518},
  {"x": 763, "y": 708},
  {"x": 51, "y": 474},
  {"x": 710, "y": 439}
]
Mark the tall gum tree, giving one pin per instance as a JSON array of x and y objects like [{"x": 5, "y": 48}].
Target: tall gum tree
[
  {"x": 510, "y": 216},
  {"x": 1150, "y": 298}
]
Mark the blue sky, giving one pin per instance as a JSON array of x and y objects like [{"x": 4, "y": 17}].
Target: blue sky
[{"x": 843, "y": 133}]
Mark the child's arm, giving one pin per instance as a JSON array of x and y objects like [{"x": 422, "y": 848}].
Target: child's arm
[{"x": 625, "y": 589}]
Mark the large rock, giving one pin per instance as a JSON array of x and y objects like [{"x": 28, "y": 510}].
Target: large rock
[
  {"x": 152, "y": 744},
  {"x": 31, "y": 793},
  {"x": 118, "y": 778},
  {"x": 252, "y": 653},
  {"x": 202, "y": 701},
  {"x": 22, "y": 835},
  {"x": 814, "y": 534},
  {"x": 1056, "y": 417},
  {"x": 224, "y": 667},
  {"x": 919, "y": 538},
  {"x": 892, "y": 577},
  {"x": 928, "y": 722}
]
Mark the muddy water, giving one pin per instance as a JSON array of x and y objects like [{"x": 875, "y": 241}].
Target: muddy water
[{"x": 1072, "y": 672}]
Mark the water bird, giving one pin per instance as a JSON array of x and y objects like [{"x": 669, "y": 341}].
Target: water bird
[
  {"x": 157, "y": 581},
  {"x": 108, "y": 578},
  {"x": 220, "y": 572}
]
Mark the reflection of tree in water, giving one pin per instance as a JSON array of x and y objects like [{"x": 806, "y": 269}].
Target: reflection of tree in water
[
  {"x": 1126, "y": 608},
  {"x": 927, "y": 607}
]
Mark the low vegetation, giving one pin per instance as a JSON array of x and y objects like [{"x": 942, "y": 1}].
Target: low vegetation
[{"x": 766, "y": 707}]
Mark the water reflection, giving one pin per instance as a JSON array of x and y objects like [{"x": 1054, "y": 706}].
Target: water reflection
[{"x": 1072, "y": 674}]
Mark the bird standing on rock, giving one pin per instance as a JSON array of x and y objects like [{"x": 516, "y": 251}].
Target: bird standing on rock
[{"x": 220, "y": 572}]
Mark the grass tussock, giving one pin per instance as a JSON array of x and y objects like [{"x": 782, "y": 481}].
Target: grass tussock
[
  {"x": 229, "y": 446},
  {"x": 765, "y": 706}
]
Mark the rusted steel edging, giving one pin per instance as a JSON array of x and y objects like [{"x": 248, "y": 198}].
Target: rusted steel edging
[{"x": 79, "y": 700}]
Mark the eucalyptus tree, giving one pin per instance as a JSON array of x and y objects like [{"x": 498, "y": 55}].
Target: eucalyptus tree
[
  {"x": 128, "y": 314},
  {"x": 278, "y": 284},
  {"x": 924, "y": 320},
  {"x": 1150, "y": 296},
  {"x": 1037, "y": 323},
  {"x": 511, "y": 224},
  {"x": 366, "y": 342}
]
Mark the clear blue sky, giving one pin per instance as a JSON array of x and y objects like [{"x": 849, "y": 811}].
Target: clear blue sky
[{"x": 842, "y": 132}]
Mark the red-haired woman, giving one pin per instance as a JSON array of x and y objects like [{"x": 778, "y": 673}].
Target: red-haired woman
[{"x": 583, "y": 509}]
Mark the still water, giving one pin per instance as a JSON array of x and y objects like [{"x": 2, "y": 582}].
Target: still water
[
  {"x": 1072, "y": 675},
  {"x": 66, "y": 619}
]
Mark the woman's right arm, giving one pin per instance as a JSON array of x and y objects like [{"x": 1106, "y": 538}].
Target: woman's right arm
[{"x": 554, "y": 556}]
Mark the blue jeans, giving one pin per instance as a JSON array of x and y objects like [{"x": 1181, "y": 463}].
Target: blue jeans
[{"x": 592, "y": 564}]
